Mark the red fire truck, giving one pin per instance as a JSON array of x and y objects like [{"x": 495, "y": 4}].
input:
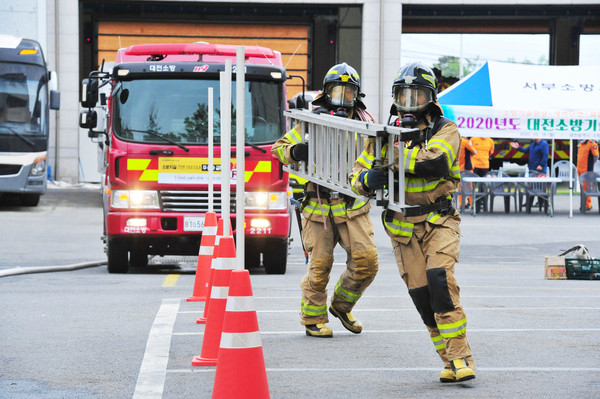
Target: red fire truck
[
  {"x": 150, "y": 116},
  {"x": 503, "y": 152}
]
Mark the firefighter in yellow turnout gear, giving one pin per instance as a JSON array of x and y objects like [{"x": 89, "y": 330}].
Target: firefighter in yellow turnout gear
[
  {"x": 426, "y": 238},
  {"x": 331, "y": 218}
]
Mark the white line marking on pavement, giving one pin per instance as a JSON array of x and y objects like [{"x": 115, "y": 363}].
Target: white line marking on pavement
[
  {"x": 407, "y": 369},
  {"x": 151, "y": 379},
  {"x": 419, "y": 331},
  {"x": 468, "y": 308}
]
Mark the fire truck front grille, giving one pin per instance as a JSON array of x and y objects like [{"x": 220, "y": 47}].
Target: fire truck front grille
[{"x": 191, "y": 201}]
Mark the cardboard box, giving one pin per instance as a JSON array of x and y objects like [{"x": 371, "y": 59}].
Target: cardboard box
[{"x": 555, "y": 268}]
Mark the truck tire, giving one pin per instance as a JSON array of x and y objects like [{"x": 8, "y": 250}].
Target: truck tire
[
  {"x": 138, "y": 258},
  {"x": 117, "y": 256},
  {"x": 30, "y": 199},
  {"x": 275, "y": 260},
  {"x": 252, "y": 257}
]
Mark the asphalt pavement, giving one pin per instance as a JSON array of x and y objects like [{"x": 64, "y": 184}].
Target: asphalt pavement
[{"x": 86, "y": 333}]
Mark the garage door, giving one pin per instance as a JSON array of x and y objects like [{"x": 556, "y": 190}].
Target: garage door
[{"x": 290, "y": 40}]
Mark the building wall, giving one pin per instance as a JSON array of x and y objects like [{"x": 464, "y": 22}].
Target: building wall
[{"x": 376, "y": 24}]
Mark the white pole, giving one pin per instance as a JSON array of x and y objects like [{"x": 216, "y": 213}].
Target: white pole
[
  {"x": 211, "y": 150},
  {"x": 240, "y": 156},
  {"x": 570, "y": 179},
  {"x": 226, "y": 146}
]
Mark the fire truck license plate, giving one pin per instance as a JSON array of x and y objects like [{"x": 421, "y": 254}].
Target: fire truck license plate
[{"x": 193, "y": 223}]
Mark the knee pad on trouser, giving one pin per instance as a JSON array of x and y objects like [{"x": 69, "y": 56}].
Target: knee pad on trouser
[
  {"x": 366, "y": 265},
  {"x": 317, "y": 276},
  {"x": 422, "y": 301},
  {"x": 437, "y": 281}
]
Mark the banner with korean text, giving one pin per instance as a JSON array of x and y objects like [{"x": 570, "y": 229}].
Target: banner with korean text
[{"x": 519, "y": 101}]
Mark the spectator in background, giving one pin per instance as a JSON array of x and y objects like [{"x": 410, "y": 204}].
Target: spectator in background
[
  {"x": 484, "y": 149},
  {"x": 480, "y": 160},
  {"x": 538, "y": 154},
  {"x": 464, "y": 163},
  {"x": 587, "y": 155},
  {"x": 466, "y": 150}
]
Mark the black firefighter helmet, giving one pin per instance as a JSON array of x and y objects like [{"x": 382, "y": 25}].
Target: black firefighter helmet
[
  {"x": 341, "y": 86},
  {"x": 414, "y": 89}
]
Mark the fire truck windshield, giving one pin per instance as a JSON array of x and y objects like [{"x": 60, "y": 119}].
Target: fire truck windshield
[
  {"x": 23, "y": 99},
  {"x": 178, "y": 110}
]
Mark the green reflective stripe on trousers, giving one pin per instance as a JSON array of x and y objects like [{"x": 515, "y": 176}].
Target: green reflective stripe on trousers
[
  {"x": 293, "y": 136},
  {"x": 438, "y": 342},
  {"x": 410, "y": 159},
  {"x": 313, "y": 310},
  {"x": 346, "y": 295},
  {"x": 316, "y": 208},
  {"x": 338, "y": 210},
  {"x": 454, "y": 329},
  {"x": 419, "y": 184},
  {"x": 399, "y": 228},
  {"x": 366, "y": 159}
]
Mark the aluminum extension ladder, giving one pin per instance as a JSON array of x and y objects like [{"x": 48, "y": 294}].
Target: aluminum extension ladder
[{"x": 335, "y": 143}]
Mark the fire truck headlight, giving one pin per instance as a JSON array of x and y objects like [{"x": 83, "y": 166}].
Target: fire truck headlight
[
  {"x": 256, "y": 200},
  {"x": 39, "y": 167},
  {"x": 265, "y": 200},
  {"x": 134, "y": 199},
  {"x": 278, "y": 200}
]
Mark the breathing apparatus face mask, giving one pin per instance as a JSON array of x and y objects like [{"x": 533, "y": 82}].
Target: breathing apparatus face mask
[
  {"x": 342, "y": 95},
  {"x": 411, "y": 99}
]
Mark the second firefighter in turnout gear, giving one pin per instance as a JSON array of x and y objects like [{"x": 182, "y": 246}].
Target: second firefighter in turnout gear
[
  {"x": 425, "y": 238},
  {"x": 331, "y": 218}
]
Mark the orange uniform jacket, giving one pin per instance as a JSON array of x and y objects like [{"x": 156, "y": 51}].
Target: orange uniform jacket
[
  {"x": 465, "y": 145},
  {"x": 485, "y": 148}
]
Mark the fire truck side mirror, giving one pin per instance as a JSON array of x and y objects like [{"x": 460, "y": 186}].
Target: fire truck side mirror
[
  {"x": 94, "y": 120},
  {"x": 89, "y": 93},
  {"x": 88, "y": 119}
]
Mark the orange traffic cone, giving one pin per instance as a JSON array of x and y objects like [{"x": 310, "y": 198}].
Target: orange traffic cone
[
  {"x": 204, "y": 317},
  {"x": 223, "y": 266},
  {"x": 241, "y": 370},
  {"x": 205, "y": 256}
]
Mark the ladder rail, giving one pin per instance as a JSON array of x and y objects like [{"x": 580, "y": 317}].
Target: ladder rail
[{"x": 335, "y": 143}]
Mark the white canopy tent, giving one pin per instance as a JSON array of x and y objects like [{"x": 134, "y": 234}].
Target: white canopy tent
[{"x": 521, "y": 101}]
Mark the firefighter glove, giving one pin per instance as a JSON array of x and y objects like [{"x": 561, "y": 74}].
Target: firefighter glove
[
  {"x": 374, "y": 179},
  {"x": 300, "y": 152}
]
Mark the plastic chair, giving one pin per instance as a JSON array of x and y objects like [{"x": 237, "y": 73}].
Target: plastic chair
[
  {"x": 469, "y": 189},
  {"x": 597, "y": 167},
  {"x": 561, "y": 170},
  {"x": 501, "y": 189},
  {"x": 590, "y": 181},
  {"x": 543, "y": 191}
]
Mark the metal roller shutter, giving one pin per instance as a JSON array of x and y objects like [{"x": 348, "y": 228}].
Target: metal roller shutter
[{"x": 290, "y": 40}]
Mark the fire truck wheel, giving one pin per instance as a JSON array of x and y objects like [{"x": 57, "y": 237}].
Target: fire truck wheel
[
  {"x": 117, "y": 256},
  {"x": 138, "y": 258},
  {"x": 252, "y": 256},
  {"x": 275, "y": 260}
]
